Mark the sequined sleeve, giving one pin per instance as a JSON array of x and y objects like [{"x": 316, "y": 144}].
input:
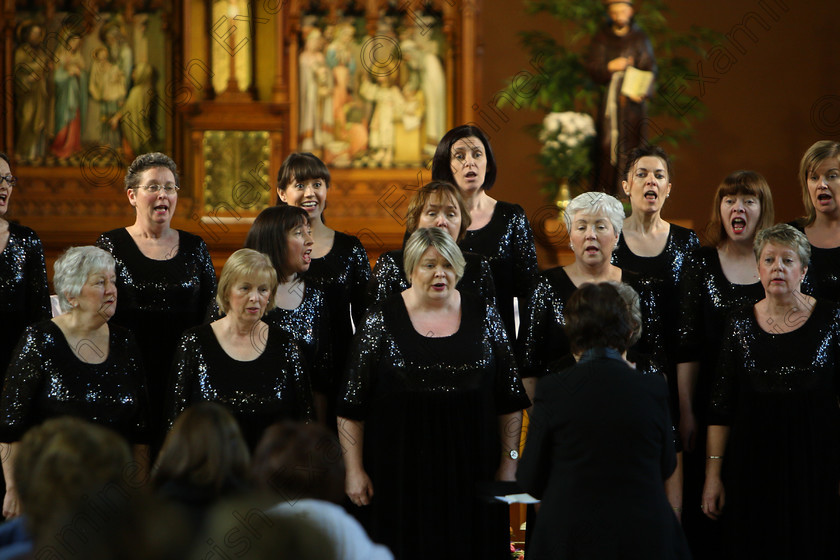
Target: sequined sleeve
[
  {"x": 533, "y": 338},
  {"x": 360, "y": 375},
  {"x": 140, "y": 426},
  {"x": 300, "y": 380},
  {"x": 510, "y": 393},
  {"x": 325, "y": 372},
  {"x": 725, "y": 384},
  {"x": 690, "y": 324},
  {"x": 487, "y": 288},
  {"x": 359, "y": 278},
  {"x": 524, "y": 252},
  {"x": 24, "y": 379},
  {"x": 387, "y": 278},
  {"x": 187, "y": 366},
  {"x": 208, "y": 281},
  {"x": 38, "y": 306}
]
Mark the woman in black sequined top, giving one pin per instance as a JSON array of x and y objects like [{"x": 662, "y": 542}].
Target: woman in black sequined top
[
  {"x": 165, "y": 276},
  {"x": 431, "y": 406},
  {"x": 339, "y": 264},
  {"x": 819, "y": 175},
  {"x": 594, "y": 222},
  {"x": 499, "y": 231},
  {"x": 255, "y": 370},
  {"x": 76, "y": 364},
  {"x": 652, "y": 247},
  {"x": 774, "y": 422},
  {"x": 437, "y": 204},
  {"x": 300, "y": 309},
  {"x": 24, "y": 295},
  {"x": 717, "y": 280}
]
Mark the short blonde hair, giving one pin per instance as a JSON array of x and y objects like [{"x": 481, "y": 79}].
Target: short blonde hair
[
  {"x": 786, "y": 236},
  {"x": 73, "y": 268},
  {"x": 424, "y": 238},
  {"x": 245, "y": 263}
]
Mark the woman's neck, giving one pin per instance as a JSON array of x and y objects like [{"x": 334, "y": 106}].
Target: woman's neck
[
  {"x": 82, "y": 324},
  {"x": 827, "y": 221},
  {"x": 604, "y": 272},
  {"x": 477, "y": 200},
  {"x": 738, "y": 249},
  {"x": 237, "y": 328},
  {"x": 415, "y": 301},
  {"x": 319, "y": 227},
  {"x": 645, "y": 222},
  {"x": 150, "y": 230}
]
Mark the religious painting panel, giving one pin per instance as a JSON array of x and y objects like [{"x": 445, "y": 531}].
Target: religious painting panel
[
  {"x": 372, "y": 100},
  {"x": 88, "y": 81}
]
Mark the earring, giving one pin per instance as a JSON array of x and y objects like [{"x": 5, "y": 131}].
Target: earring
[{"x": 572, "y": 247}]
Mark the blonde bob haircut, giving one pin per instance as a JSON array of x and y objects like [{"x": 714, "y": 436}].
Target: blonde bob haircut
[
  {"x": 437, "y": 190},
  {"x": 424, "y": 238},
  {"x": 816, "y": 154},
  {"x": 250, "y": 264}
]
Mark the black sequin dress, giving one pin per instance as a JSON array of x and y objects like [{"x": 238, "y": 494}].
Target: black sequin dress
[
  {"x": 781, "y": 470},
  {"x": 45, "y": 379},
  {"x": 260, "y": 392},
  {"x": 389, "y": 277},
  {"x": 159, "y": 300},
  {"x": 430, "y": 408},
  {"x": 24, "y": 295},
  {"x": 507, "y": 243},
  {"x": 822, "y": 280},
  {"x": 309, "y": 326},
  {"x": 342, "y": 275},
  {"x": 707, "y": 298}
]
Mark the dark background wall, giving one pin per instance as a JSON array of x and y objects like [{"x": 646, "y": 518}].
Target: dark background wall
[{"x": 773, "y": 98}]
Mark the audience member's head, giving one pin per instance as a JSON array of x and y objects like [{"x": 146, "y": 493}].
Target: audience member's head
[
  {"x": 296, "y": 461},
  {"x": 204, "y": 449},
  {"x": 243, "y": 529},
  {"x": 67, "y": 462}
]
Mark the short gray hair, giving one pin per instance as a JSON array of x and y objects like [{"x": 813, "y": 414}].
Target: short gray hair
[
  {"x": 424, "y": 238},
  {"x": 787, "y": 236},
  {"x": 631, "y": 298},
  {"x": 595, "y": 204},
  {"x": 73, "y": 268}
]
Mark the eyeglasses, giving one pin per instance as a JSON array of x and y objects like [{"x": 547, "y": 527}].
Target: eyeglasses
[
  {"x": 167, "y": 189},
  {"x": 11, "y": 179}
]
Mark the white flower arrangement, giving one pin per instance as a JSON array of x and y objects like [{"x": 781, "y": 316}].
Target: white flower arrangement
[{"x": 566, "y": 154}]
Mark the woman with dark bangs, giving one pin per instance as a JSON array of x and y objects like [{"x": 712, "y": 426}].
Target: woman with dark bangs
[
  {"x": 819, "y": 175},
  {"x": 499, "y": 231},
  {"x": 339, "y": 264},
  {"x": 300, "y": 309},
  {"x": 718, "y": 279}
]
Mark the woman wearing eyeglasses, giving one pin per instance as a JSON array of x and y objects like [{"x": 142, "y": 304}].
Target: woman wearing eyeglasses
[
  {"x": 24, "y": 296},
  {"x": 165, "y": 276}
]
